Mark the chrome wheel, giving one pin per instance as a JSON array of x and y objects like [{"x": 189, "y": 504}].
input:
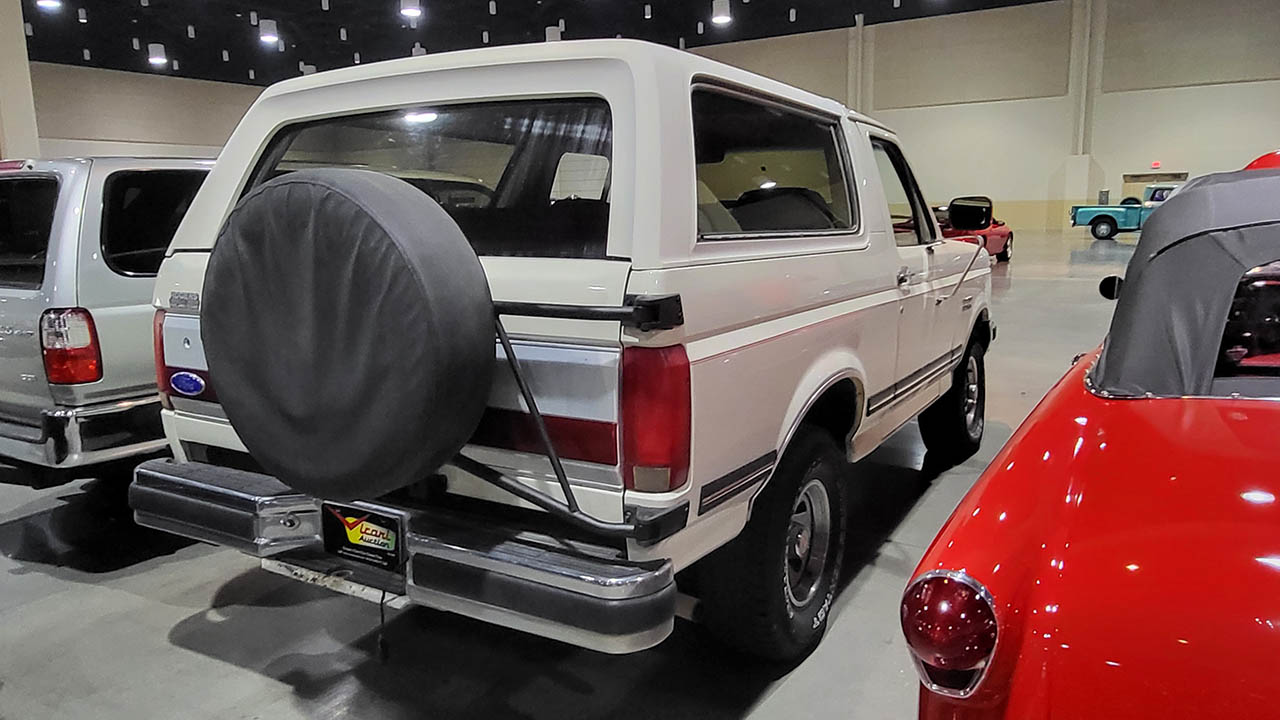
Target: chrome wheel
[
  {"x": 808, "y": 543},
  {"x": 972, "y": 394}
]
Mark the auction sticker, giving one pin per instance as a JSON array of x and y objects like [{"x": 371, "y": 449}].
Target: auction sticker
[{"x": 362, "y": 535}]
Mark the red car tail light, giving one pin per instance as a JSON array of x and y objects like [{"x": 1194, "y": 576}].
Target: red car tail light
[
  {"x": 69, "y": 343},
  {"x": 157, "y": 346},
  {"x": 656, "y": 418},
  {"x": 950, "y": 624}
]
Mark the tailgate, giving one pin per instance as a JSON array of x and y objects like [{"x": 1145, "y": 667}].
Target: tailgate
[
  {"x": 572, "y": 366},
  {"x": 28, "y": 210}
]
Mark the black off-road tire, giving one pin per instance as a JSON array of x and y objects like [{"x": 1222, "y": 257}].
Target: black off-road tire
[
  {"x": 748, "y": 600},
  {"x": 1007, "y": 252},
  {"x": 951, "y": 432},
  {"x": 1103, "y": 228}
]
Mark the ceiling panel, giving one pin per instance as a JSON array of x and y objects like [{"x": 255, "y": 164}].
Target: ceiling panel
[{"x": 219, "y": 39}]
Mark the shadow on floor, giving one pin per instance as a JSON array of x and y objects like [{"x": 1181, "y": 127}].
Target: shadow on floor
[
  {"x": 90, "y": 530},
  {"x": 444, "y": 666}
]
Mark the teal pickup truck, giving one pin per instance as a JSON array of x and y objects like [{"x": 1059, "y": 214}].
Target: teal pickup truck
[{"x": 1105, "y": 221}]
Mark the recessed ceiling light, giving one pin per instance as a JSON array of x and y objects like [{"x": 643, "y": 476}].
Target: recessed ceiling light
[
  {"x": 267, "y": 32},
  {"x": 87, "y": 56},
  {"x": 136, "y": 46},
  {"x": 356, "y": 57},
  {"x": 553, "y": 33},
  {"x": 342, "y": 34},
  {"x": 720, "y": 13},
  {"x": 49, "y": 4},
  {"x": 791, "y": 16},
  {"x": 701, "y": 27},
  {"x": 411, "y": 8},
  {"x": 191, "y": 31},
  {"x": 493, "y": 7},
  {"x": 484, "y": 37},
  {"x": 82, "y": 15},
  {"x": 155, "y": 54},
  {"x": 648, "y": 12}
]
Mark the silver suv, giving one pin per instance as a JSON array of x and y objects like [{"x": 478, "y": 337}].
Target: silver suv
[{"x": 80, "y": 242}]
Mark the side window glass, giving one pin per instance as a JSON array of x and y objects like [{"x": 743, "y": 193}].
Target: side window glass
[
  {"x": 1251, "y": 340},
  {"x": 762, "y": 168},
  {"x": 906, "y": 208},
  {"x": 141, "y": 210}
]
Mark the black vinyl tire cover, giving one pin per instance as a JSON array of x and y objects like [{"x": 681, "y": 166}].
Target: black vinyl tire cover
[{"x": 349, "y": 331}]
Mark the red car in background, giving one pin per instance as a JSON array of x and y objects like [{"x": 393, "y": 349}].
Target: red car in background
[
  {"x": 1120, "y": 558},
  {"x": 997, "y": 238}
]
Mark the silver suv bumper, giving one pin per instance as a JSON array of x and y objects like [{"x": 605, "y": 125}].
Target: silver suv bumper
[
  {"x": 470, "y": 564},
  {"x": 75, "y": 437}
]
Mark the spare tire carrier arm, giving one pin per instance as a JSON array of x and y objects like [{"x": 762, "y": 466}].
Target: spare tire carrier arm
[{"x": 641, "y": 312}]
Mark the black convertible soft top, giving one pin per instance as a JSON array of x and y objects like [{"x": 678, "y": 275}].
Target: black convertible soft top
[{"x": 1168, "y": 324}]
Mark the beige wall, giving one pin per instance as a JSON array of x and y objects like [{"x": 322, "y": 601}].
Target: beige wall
[
  {"x": 88, "y": 111},
  {"x": 817, "y": 62},
  {"x": 1176, "y": 43},
  {"x": 1040, "y": 106},
  {"x": 1005, "y": 54}
]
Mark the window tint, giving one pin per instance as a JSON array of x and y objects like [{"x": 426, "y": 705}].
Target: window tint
[
  {"x": 1251, "y": 341},
  {"x": 522, "y": 178},
  {"x": 906, "y": 206},
  {"x": 141, "y": 210},
  {"x": 26, "y": 219},
  {"x": 761, "y": 168}
]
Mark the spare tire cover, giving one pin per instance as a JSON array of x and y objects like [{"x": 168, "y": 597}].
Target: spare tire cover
[{"x": 348, "y": 329}]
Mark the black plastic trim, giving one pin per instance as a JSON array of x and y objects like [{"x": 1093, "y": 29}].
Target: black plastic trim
[{"x": 643, "y": 312}]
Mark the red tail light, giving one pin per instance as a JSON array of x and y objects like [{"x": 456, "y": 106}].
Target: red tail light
[
  {"x": 574, "y": 438},
  {"x": 656, "y": 417},
  {"x": 950, "y": 626},
  {"x": 157, "y": 347},
  {"x": 70, "y": 345}
]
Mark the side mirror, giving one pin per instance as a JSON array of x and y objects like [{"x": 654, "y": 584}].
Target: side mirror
[
  {"x": 1110, "y": 286},
  {"x": 972, "y": 212}
]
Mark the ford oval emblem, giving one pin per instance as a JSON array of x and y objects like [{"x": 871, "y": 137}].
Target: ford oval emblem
[{"x": 187, "y": 383}]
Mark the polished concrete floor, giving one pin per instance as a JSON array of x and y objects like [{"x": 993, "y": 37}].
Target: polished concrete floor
[{"x": 100, "y": 619}]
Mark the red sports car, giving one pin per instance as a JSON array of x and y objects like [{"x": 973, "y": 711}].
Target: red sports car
[
  {"x": 997, "y": 237},
  {"x": 1120, "y": 558}
]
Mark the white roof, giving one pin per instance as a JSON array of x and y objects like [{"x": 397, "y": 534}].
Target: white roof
[{"x": 637, "y": 54}]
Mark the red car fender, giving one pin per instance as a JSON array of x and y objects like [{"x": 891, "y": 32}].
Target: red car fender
[{"x": 977, "y": 539}]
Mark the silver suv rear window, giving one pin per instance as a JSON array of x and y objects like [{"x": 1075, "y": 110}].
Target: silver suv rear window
[
  {"x": 27, "y": 205},
  {"x": 527, "y": 178}
]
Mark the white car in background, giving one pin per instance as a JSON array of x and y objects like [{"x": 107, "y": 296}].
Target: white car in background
[
  {"x": 80, "y": 242},
  {"x": 703, "y": 314}
]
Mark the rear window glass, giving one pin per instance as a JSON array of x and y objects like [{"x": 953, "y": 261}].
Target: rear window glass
[
  {"x": 26, "y": 219},
  {"x": 525, "y": 178},
  {"x": 765, "y": 169},
  {"x": 141, "y": 210},
  {"x": 1251, "y": 341}
]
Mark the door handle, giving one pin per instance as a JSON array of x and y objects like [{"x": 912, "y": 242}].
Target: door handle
[{"x": 904, "y": 275}]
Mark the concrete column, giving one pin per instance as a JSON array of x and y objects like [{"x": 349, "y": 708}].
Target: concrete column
[
  {"x": 854, "y": 89},
  {"x": 1078, "y": 178},
  {"x": 18, "y": 137}
]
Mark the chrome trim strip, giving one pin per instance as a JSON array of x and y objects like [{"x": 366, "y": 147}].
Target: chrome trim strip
[
  {"x": 961, "y": 577},
  {"x": 614, "y": 645}
]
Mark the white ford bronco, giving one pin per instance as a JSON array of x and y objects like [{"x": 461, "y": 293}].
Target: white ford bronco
[
  {"x": 539, "y": 334},
  {"x": 80, "y": 242}
]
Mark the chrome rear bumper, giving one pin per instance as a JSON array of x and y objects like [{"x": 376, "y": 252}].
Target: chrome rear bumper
[
  {"x": 471, "y": 565},
  {"x": 71, "y": 438}
]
